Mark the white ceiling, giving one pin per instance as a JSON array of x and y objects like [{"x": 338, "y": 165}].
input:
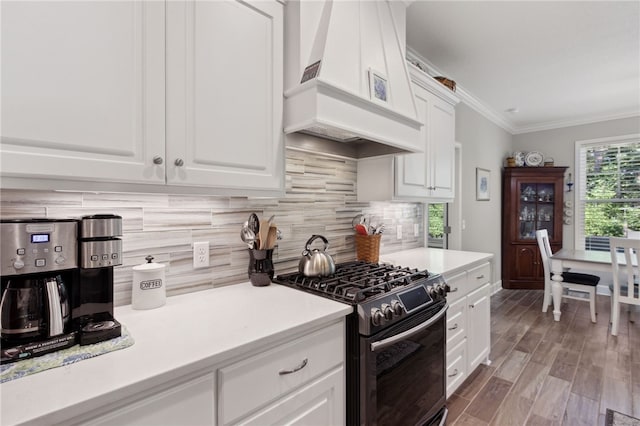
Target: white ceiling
[{"x": 559, "y": 63}]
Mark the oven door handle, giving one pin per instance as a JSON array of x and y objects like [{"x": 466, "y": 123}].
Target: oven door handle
[{"x": 405, "y": 334}]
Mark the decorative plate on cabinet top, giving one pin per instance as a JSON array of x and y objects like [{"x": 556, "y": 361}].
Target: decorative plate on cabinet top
[
  {"x": 519, "y": 157},
  {"x": 533, "y": 158}
]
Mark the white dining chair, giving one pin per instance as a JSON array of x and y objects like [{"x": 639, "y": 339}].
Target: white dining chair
[
  {"x": 633, "y": 234},
  {"x": 624, "y": 288},
  {"x": 572, "y": 282}
]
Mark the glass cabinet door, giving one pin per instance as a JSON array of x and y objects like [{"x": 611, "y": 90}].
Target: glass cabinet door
[{"x": 536, "y": 209}]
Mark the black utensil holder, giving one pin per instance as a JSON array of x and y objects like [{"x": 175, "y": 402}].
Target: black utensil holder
[{"x": 260, "y": 267}]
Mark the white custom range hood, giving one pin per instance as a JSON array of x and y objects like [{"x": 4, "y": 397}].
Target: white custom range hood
[{"x": 346, "y": 77}]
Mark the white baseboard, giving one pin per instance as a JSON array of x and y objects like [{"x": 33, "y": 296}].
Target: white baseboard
[{"x": 496, "y": 287}]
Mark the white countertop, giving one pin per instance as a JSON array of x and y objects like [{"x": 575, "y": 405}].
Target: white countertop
[
  {"x": 190, "y": 332},
  {"x": 436, "y": 260}
]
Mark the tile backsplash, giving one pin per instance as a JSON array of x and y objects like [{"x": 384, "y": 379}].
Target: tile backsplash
[{"x": 320, "y": 199}]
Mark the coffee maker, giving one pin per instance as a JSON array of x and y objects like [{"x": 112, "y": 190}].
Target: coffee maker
[
  {"x": 92, "y": 301},
  {"x": 57, "y": 283}
]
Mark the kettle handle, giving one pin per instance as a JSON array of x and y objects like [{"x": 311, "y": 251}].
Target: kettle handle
[{"x": 312, "y": 239}]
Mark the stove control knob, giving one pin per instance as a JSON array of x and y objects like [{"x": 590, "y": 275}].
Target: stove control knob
[
  {"x": 397, "y": 308},
  {"x": 387, "y": 311},
  {"x": 441, "y": 290},
  {"x": 376, "y": 316},
  {"x": 433, "y": 292}
]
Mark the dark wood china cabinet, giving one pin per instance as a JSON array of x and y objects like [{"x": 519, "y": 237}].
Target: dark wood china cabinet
[{"x": 532, "y": 199}]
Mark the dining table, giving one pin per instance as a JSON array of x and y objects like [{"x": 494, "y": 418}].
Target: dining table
[{"x": 591, "y": 260}]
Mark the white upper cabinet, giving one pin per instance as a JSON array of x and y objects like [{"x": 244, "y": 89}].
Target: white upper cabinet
[
  {"x": 83, "y": 90},
  {"x": 427, "y": 176},
  {"x": 179, "y": 93},
  {"x": 224, "y": 94}
]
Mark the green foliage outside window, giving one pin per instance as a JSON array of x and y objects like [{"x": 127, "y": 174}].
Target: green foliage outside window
[
  {"x": 612, "y": 199},
  {"x": 436, "y": 220}
]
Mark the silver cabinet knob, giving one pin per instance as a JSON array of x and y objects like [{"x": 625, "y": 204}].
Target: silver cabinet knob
[
  {"x": 179, "y": 162},
  {"x": 157, "y": 160}
]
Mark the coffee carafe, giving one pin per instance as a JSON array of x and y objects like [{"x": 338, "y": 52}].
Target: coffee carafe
[{"x": 34, "y": 307}]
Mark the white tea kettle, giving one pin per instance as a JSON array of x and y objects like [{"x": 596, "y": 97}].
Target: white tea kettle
[{"x": 149, "y": 289}]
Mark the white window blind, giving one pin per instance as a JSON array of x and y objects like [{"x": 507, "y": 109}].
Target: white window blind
[{"x": 608, "y": 189}]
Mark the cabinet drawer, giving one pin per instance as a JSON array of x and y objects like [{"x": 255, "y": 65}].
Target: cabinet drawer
[
  {"x": 457, "y": 285},
  {"x": 456, "y": 321},
  {"x": 479, "y": 275},
  {"x": 456, "y": 367},
  {"x": 251, "y": 383}
]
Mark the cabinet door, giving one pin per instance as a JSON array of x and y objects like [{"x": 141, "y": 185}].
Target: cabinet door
[
  {"x": 526, "y": 264},
  {"x": 411, "y": 169},
  {"x": 478, "y": 326},
  {"x": 441, "y": 149},
  {"x": 190, "y": 403},
  {"x": 224, "y": 94},
  {"x": 319, "y": 403},
  {"x": 83, "y": 90}
]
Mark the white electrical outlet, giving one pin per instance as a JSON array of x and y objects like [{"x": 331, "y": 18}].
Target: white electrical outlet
[
  {"x": 416, "y": 230},
  {"x": 201, "y": 254},
  {"x": 399, "y": 232}
]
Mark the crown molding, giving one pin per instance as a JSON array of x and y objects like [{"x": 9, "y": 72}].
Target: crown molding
[
  {"x": 500, "y": 119},
  {"x": 575, "y": 122},
  {"x": 464, "y": 95}
]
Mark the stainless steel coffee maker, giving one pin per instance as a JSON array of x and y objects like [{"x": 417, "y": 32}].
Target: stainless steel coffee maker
[
  {"x": 57, "y": 283},
  {"x": 92, "y": 301},
  {"x": 39, "y": 267}
]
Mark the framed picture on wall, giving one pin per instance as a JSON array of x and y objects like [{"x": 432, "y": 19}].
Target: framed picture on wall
[
  {"x": 378, "y": 89},
  {"x": 483, "y": 185}
]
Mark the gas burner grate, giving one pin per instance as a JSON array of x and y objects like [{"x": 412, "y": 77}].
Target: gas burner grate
[{"x": 355, "y": 281}]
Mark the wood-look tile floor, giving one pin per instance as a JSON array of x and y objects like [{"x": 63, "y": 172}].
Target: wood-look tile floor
[{"x": 544, "y": 372}]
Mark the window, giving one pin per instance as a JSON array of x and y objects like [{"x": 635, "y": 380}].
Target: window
[
  {"x": 438, "y": 229},
  {"x": 608, "y": 186}
]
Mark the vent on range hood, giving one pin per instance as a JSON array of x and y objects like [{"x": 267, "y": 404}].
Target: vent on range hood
[{"x": 333, "y": 49}]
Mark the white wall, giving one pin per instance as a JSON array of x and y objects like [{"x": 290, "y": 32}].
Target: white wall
[
  {"x": 484, "y": 145},
  {"x": 560, "y": 145}
]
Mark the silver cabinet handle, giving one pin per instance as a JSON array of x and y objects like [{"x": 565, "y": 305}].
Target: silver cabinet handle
[
  {"x": 454, "y": 374},
  {"x": 455, "y": 327},
  {"x": 302, "y": 365},
  {"x": 179, "y": 162},
  {"x": 480, "y": 277},
  {"x": 157, "y": 160},
  {"x": 472, "y": 306}
]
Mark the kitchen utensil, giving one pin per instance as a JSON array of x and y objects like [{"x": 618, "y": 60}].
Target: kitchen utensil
[
  {"x": 357, "y": 219},
  {"x": 271, "y": 237},
  {"x": 247, "y": 235},
  {"x": 316, "y": 263},
  {"x": 254, "y": 223},
  {"x": 361, "y": 229},
  {"x": 149, "y": 289},
  {"x": 264, "y": 233}
]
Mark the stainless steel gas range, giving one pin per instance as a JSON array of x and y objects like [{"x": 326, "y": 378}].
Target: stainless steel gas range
[{"x": 395, "y": 341}]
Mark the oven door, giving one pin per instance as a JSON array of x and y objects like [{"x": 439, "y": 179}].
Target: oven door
[{"x": 403, "y": 371}]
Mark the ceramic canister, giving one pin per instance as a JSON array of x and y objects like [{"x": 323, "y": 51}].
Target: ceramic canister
[{"x": 148, "y": 290}]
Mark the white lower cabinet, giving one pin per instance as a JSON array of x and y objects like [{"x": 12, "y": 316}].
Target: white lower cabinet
[
  {"x": 291, "y": 384},
  {"x": 318, "y": 403},
  {"x": 296, "y": 382},
  {"x": 468, "y": 323},
  {"x": 188, "y": 403}
]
